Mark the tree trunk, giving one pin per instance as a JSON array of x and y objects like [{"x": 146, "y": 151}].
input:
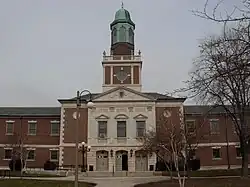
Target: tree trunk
[{"x": 244, "y": 169}]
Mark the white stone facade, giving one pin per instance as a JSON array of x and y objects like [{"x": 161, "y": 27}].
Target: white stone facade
[{"x": 113, "y": 112}]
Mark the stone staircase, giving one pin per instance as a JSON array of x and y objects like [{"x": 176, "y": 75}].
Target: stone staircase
[{"x": 117, "y": 174}]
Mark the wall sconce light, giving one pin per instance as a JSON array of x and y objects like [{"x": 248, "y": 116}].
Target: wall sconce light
[
  {"x": 111, "y": 153},
  {"x": 131, "y": 152}
]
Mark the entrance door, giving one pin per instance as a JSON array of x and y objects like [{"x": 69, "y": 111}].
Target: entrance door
[
  {"x": 124, "y": 162},
  {"x": 121, "y": 161},
  {"x": 141, "y": 161},
  {"x": 102, "y": 162}
]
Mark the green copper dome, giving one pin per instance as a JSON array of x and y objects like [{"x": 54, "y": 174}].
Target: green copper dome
[
  {"x": 122, "y": 16},
  {"x": 122, "y": 27}
]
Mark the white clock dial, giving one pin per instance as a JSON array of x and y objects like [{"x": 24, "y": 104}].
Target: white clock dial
[{"x": 122, "y": 75}]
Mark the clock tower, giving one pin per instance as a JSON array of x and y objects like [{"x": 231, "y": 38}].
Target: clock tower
[{"x": 122, "y": 67}]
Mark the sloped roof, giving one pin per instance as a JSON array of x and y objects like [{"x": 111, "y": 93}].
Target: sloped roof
[
  {"x": 201, "y": 109},
  {"x": 154, "y": 95},
  {"x": 30, "y": 111}
]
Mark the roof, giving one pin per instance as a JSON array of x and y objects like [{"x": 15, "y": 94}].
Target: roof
[
  {"x": 56, "y": 111},
  {"x": 122, "y": 16},
  {"x": 30, "y": 111},
  {"x": 152, "y": 95},
  {"x": 202, "y": 109}
]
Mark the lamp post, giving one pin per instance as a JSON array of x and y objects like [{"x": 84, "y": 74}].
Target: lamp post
[
  {"x": 85, "y": 149},
  {"x": 76, "y": 116}
]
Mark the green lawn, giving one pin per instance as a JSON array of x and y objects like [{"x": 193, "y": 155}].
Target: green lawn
[
  {"x": 209, "y": 173},
  {"x": 18, "y": 174},
  {"x": 39, "y": 183},
  {"x": 230, "y": 182}
]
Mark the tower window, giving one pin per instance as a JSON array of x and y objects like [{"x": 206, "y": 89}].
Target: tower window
[
  {"x": 114, "y": 36},
  {"x": 122, "y": 34},
  {"x": 131, "y": 36}
]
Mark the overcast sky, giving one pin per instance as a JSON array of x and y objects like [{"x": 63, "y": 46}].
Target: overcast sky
[{"x": 49, "y": 49}]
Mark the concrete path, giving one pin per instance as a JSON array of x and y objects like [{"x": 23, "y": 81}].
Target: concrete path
[
  {"x": 122, "y": 181},
  {"x": 110, "y": 181}
]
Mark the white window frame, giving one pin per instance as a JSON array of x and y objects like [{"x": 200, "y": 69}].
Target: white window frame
[
  {"x": 126, "y": 133},
  {"x": 194, "y": 123},
  {"x": 211, "y": 120},
  {"x": 213, "y": 158},
  {"x": 51, "y": 124},
  {"x": 29, "y": 123},
  {"x": 31, "y": 149},
  {"x": 53, "y": 160},
  {"x": 98, "y": 132},
  {"x": 7, "y": 123},
  {"x": 140, "y": 120},
  {"x": 7, "y": 148},
  {"x": 237, "y": 157}
]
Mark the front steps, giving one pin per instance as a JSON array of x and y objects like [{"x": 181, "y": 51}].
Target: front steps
[{"x": 117, "y": 174}]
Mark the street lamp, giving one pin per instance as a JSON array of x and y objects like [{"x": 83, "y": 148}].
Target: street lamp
[
  {"x": 76, "y": 116},
  {"x": 84, "y": 150}
]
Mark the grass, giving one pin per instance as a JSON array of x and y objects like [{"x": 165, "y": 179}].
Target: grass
[
  {"x": 18, "y": 174},
  {"x": 40, "y": 183},
  {"x": 229, "y": 182},
  {"x": 210, "y": 173}
]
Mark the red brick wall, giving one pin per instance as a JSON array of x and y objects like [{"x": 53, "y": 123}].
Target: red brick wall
[
  {"x": 205, "y": 156},
  {"x": 69, "y": 157},
  {"x": 41, "y": 156},
  {"x": 203, "y": 129},
  {"x": 161, "y": 121},
  {"x": 42, "y": 137},
  {"x": 70, "y": 124}
]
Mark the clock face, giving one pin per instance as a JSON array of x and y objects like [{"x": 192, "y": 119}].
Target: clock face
[{"x": 121, "y": 75}]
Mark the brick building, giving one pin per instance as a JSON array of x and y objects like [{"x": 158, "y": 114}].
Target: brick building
[{"x": 121, "y": 113}]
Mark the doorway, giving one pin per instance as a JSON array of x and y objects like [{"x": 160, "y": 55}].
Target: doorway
[
  {"x": 124, "y": 162},
  {"x": 102, "y": 163},
  {"x": 121, "y": 161}
]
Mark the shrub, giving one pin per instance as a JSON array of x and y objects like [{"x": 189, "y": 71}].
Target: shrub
[
  {"x": 195, "y": 164},
  {"x": 17, "y": 163},
  {"x": 48, "y": 165}
]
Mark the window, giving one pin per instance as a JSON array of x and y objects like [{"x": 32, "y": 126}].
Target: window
[
  {"x": 238, "y": 152},
  {"x": 102, "y": 129},
  {"x": 190, "y": 125},
  {"x": 114, "y": 36},
  {"x": 214, "y": 126},
  {"x": 216, "y": 153},
  {"x": 54, "y": 155},
  {"x": 9, "y": 127},
  {"x": 121, "y": 129},
  {"x": 7, "y": 153},
  {"x": 31, "y": 154},
  {"x": 122, "y": 34},
  {"x": 55, "y": 128},
  {"x": 140, "y": 128},
  {"x": 32, "y": 128},
  {"x": 131, "y": 36}
]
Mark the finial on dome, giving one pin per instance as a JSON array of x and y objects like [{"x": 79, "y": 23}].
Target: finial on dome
[{"x": 122, "y": 4}]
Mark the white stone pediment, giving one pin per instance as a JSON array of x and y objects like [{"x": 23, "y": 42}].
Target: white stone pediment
[
  {"x": 121, "y": 116},
  {"x": 122, "y": 94},
  {"x": 140, "y": 116},
  {"x": 102, "y": 117}
]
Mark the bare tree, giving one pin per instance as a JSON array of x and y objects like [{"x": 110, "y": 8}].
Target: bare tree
[
  {"x": 240, "y": 11},
  {"x": 220, "y": 76},
  {"x": 168, "y": 141},
  {"x": 17, "y": 143}
]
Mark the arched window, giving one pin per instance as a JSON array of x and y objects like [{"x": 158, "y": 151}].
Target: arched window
[
  {"x": 122, "y": 34},
  {"x": 114, "y": 36},
  {"x": 131, "y": 36}
]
